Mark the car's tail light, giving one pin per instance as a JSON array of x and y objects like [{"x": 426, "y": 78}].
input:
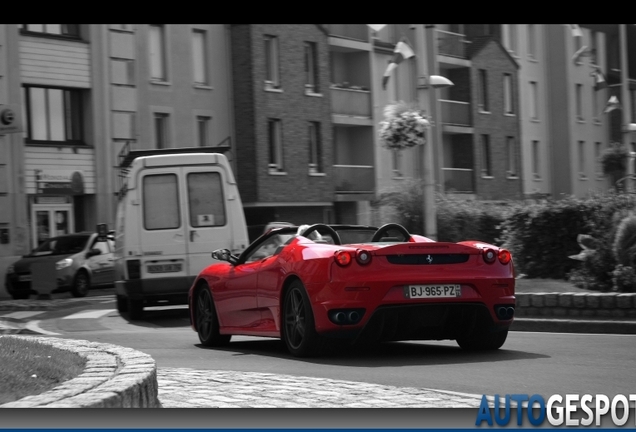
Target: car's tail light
[
  {"x": 504, "y": 256},
  {"x": 343, "y": 258},
  {"x": 363, "y": 257},
  {"x": 134, "y": 269},
  {"x": 489, "y": 255}
]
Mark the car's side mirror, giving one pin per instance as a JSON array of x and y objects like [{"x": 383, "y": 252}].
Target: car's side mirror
[
  {"x": 224, "y": 255},
  {"x": 93, "y": 252}
]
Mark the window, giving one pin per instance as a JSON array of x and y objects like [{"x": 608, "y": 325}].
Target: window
[
  {"x": 68, "y": 30},
  {"x": 511, "y": 156},
  {"x": 161, "y": 202},
  {"x": 396, "y": 160},
  {"x": 275, "y": 146},
  {"x": 486, "y": 166},
  {"x": 579, "y": 101},
  {"x": 509, "y": 37},
  {"x": 593, "y": 47},
  {"x": 483, "y": 90},
  {"x": 311, "y": 68},
  {"x": 53, "y": 114},
  {"x": 508, "y": 95},
  {"x": 598, "y": 149},
  {"x": 162, "y": 130},
  {"x": 536, "y": 159},
  {"x": 272, "y": 80},
  {"x": 534, "y": 111},
  {"x": 582, "y": 159},
  {"x": 315, "y": 148},
  {"x": 203, "y": 131},
  {"x": 205, "y": 199},
  {"x": 199, "y": 57},
  {"x": 594, "y": 103},
  {"x": 157, "y": 44},
  {"x": 532, "y": 43}
]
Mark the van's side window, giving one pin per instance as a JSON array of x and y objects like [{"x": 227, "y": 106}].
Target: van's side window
[
  {"x": 205, "y": 198},
  {"x": 161, "y": 202}
]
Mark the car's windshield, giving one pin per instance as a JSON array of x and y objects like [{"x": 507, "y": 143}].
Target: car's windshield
[
  {"x": 352, "y": 236},
  {"x": 61, "y": 245}
]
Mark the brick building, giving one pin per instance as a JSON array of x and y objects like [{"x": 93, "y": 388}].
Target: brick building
[{"x": 284, "y": 152}]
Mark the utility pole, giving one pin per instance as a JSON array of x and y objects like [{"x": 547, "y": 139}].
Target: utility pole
[
  {"x": 626, "y": 106},
  {"x": 424, "y": 99}
]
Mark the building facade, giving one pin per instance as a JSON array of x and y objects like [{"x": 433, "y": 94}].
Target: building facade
[{"x": 89, "y": 93}]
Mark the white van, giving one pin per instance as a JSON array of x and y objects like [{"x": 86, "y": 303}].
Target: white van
[{"x": 174, "y": 210}]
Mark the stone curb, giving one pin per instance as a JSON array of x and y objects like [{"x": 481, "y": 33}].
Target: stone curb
[
  {"x": 114, "y": 377},
  {"x": 577, "y": 306}
]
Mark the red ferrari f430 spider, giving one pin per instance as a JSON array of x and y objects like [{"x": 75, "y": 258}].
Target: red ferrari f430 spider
[{"x": 307, "y": 284}]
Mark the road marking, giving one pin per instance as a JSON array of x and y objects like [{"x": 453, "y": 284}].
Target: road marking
[
  {"x": 21, "y": 314},
  {"x": 34, "y": 327},
  {"x": 90, "y": 314}
]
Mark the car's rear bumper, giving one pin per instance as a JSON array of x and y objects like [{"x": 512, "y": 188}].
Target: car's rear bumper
[
  {"x": 420, "y": 322},
  {"x": 385, "y": 306}
]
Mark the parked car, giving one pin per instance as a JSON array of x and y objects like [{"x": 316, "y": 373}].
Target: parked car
[
  {"x": 81, "y": 261},
  {"x": 306, "y": 284}
]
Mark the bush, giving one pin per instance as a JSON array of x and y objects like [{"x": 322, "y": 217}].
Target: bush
[
  {"x": 624, "y": 278},
  {"x": 624, "y": 246}
]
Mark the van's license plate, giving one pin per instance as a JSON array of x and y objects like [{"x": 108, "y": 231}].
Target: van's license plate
[
  {"x": 164, "y": 268},
  {"x": 432, "y": 291}
]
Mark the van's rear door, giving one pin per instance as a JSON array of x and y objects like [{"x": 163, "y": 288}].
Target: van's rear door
[
  {"x": 208, "y": 216},
  {"x": 163, "y": 224}
]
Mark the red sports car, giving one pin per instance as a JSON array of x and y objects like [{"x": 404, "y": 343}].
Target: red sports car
[{"x": 306, "y": 284}]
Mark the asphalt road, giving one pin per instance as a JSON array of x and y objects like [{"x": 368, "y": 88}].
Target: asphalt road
[{"x": 529, "y": 363}]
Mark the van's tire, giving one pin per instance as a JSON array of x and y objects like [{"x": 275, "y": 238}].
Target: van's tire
[
  {"x": 135, "y": 309},
  {"x": 122, "y": 304},
  {"x": 81, "y": 284},
  {"x": 207, "y": 321}
]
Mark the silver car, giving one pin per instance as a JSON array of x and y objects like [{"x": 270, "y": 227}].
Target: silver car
[{"x": 81, "y": 261}]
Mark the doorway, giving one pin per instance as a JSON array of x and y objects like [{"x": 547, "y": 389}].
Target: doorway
[{"x": 51, "y": 220}]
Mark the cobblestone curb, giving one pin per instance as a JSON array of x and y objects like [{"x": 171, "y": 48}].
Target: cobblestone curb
[
  {"x": 114, "y": 377},
  {"x": 609, "y": 306}
]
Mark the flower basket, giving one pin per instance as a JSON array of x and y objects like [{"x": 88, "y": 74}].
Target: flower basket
[{"x": 403, "y": 127}]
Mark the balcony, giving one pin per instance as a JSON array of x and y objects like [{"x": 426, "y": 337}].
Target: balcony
[
  {"x": 451, "y": 44},
  {"x": 455, "y": 113},
  {"x": 350, "y": 102},
  {"x": 354, "y": 179},
  {"x": 458, "y": 180},
  {"x": 358, "y": 32}
]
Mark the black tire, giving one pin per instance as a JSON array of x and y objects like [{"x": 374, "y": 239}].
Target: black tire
[
  {"x": 298, "y": 325},
  {"x": 483, "y": 340},
  {"x": 122, "y": 304},
  {"x": 135, "y": 309},
  {"x": 207, "y": 321},
  {"x": 81, "y": 284}
]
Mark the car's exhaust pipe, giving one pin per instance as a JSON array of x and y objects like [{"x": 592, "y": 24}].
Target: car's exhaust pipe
[
  {"x": 346, "y": 316},
  {"x": 505, "y": 312},
  {"x": 353, "y": 317},
  {"x": 339, "y": 317}
]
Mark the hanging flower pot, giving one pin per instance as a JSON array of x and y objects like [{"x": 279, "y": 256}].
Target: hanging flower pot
[{"x": 403, "y": 127}]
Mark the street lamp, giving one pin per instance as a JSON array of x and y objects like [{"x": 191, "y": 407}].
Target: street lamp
[{"x": 428, "y": 79}]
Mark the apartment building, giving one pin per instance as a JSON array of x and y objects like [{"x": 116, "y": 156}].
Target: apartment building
[
  {"x": 86, "y": 95},
  {"x": 479, "y": 153},
  {"x": 282, "y": 104}
]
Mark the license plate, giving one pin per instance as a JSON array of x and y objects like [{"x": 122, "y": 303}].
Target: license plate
[
  {"x": 432, "y": 291},
  {"x": 164, "y": 268},
  {"x": 24, "y": 278}
]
